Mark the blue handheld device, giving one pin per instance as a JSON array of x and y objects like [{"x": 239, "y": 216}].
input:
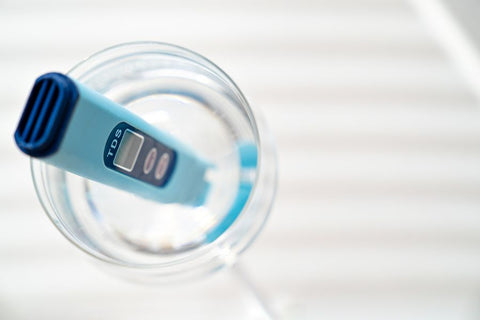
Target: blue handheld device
[{"x": 72, "y": 127}]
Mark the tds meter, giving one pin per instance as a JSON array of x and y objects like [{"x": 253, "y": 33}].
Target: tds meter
[
  {"x": 76, "y": 129},
  {"x": 148, "y": 157}
]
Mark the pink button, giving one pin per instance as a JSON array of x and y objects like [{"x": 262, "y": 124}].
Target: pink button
[
  {"x": 150, "y": 161},
  {"x": 162, "y": 166}
]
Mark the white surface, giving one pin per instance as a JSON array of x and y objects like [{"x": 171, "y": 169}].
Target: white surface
[{"x": 377, "y": 215}]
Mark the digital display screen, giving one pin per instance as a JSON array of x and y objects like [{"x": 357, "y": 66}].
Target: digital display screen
[
  {"x": 131, "y": 152},
  {"x": 128, "y": 150}
]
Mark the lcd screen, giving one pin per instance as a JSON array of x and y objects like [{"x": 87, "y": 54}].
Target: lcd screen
[{"x": 128, "y": 150}]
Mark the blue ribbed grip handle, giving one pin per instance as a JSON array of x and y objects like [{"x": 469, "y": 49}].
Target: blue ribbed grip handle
[{"x": 46, "y": 114}]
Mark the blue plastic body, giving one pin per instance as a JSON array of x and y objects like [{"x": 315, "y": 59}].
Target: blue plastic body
[
  {"x": 72, "y": 127},
  {"x": 79, "y": 147}
]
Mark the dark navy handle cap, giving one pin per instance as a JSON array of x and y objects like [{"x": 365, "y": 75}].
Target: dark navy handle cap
[{"x": 46, "y": 115}]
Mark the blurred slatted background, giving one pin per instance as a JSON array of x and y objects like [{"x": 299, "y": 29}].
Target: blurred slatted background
[{"x": 377, "y": 215}]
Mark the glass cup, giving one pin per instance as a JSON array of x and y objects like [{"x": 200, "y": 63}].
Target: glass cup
[{"x": 185, "y": 94}]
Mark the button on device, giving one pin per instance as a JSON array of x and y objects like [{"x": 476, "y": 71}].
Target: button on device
[
  {"x": 150, "y": 161},
  {"x": 162, "y": 166}
]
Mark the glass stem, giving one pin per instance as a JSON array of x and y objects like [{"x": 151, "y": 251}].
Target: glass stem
[{"x": 242, "y": 276}]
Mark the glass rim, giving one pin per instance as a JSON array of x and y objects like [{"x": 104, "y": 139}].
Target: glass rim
[{"x": 266, "y": 153}]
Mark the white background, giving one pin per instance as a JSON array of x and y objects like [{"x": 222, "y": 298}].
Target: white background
[{"x": 377, "y": 214}]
